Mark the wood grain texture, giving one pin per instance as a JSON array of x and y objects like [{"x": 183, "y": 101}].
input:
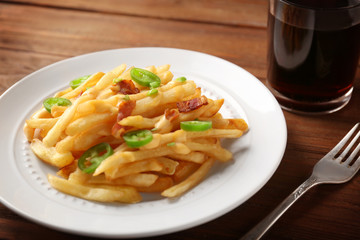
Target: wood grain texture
[
  {"x": 230, "y": 12},
  {"x": 36, "y": 33},
  {"x": 63, "y": 33}
]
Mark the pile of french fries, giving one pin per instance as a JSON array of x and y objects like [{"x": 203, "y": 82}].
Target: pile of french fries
[{"x": 173, "y": 162}]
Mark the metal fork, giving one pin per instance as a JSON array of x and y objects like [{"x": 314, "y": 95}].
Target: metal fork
[{"x": 332, "y": 168}]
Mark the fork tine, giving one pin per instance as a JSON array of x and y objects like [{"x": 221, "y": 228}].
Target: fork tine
[
  {"x": 353, "y": 154},
  {"x": 356, "y": 164},
  {"x": 343, "y": 141},
  {"x": 343, "y": 154}
]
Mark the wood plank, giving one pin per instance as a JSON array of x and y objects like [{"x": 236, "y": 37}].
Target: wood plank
[
  {"x": 29, "y": 230},
  {"x": 231, "y": 12},
  {"x": 70, "y": 32},
  {"x": 17, "y": 64},
  {"x": 57, "y": 34}
]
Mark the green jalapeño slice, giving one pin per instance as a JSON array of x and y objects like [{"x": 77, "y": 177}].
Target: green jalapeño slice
[
  {"x": 78, "y": 81},
  {"x": 181, "y": 79},
  {"x": 145, "y": 77},
  {"x": 92, "y": 158},
  {"x": 195, "y": 126},
  {"x": 138, "y": 138},
  {"x": 49, "y": 102}
]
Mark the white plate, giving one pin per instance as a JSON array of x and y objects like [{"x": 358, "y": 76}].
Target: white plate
[{"x": 24, "y": 187}]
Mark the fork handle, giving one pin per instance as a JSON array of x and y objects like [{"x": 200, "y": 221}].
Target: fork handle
[{"x": 261, "y": 228}]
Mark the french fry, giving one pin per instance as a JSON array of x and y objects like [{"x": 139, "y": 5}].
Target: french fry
[
  {"x": 43, "y": 123},
  {"x": 136, "y": 180},
  {"x": 119, "y": 70},
  {"x": 221, "y": 123},
  {"x": 86, "y": 139},
  {"x": 123, "y": 194},
  {"x": 162, "y": 69},
  {"x": 151, "y": 68},
  {"x": 183, "y": 170},
  {"x": 214, "y": 151},
  {"x": 195, "y": 95},
  {"x": 50, "y": 155},
  {"x": 57, "y": 111},
  {"x": 190, "y": 182},
  {"x": 42, "y": 113},
  {"x": 195, "y": 157},
  {"x": 65, "y": 172},
  {"x": 79, "y": 177},
  {"x": 53, "y": 135},
  {"x": 136, "y": 167},
  {"x": 215, "y": 133},
  {"x": 214, "y": 109},
  {"x": 139, "y": 122},
  {"x": 91, "y": 137},
  {"x": 38, "y": 133},
  {"x": 65, "y": 145},
  {"x": 180, "y": 148},
  {"x": 119, "y": 158},
  {"x": 105, "y": 81},
  {"x": 163, "y": 125},
  {"x": 169, "y": 165},
  {"x": 211, "y": 141},
  {"x": 29, "y": 132},
  {"x": 94, "y": 106},
  {"x": 165, "y": 76},
  {"x": 106, "y": 93},
  {"x": 161, "y": 139},
  {"x": 159, "y": 185},
  {"x": 172, "y": 95},
  {"x": 91, "y": 81},
  {"x": 159, "y": 110},
  {"x": 86, "y": 122},
  {"x": 62, "y": 93},
  {"x": 183, "y": 136}
]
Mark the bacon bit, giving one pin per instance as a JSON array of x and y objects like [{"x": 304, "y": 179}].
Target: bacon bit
[
  {"x": 125, "y": 87},
  {"x": 117, "y": 130},
  {"x": 192, "y": 104},
  {"x": 128, "y": 87},
  {"x": 125, "y": 109},
  {"x": 171, "y": 114}
]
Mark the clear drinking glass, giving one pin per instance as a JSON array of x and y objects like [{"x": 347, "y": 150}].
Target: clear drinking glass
[{"x": 313, "y": 53}]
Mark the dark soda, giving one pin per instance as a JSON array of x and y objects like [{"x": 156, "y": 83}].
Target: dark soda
[{"x": 311, "y": 64}]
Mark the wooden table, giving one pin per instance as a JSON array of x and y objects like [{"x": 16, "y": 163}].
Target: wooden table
[{"x": 35, "y": 33}]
